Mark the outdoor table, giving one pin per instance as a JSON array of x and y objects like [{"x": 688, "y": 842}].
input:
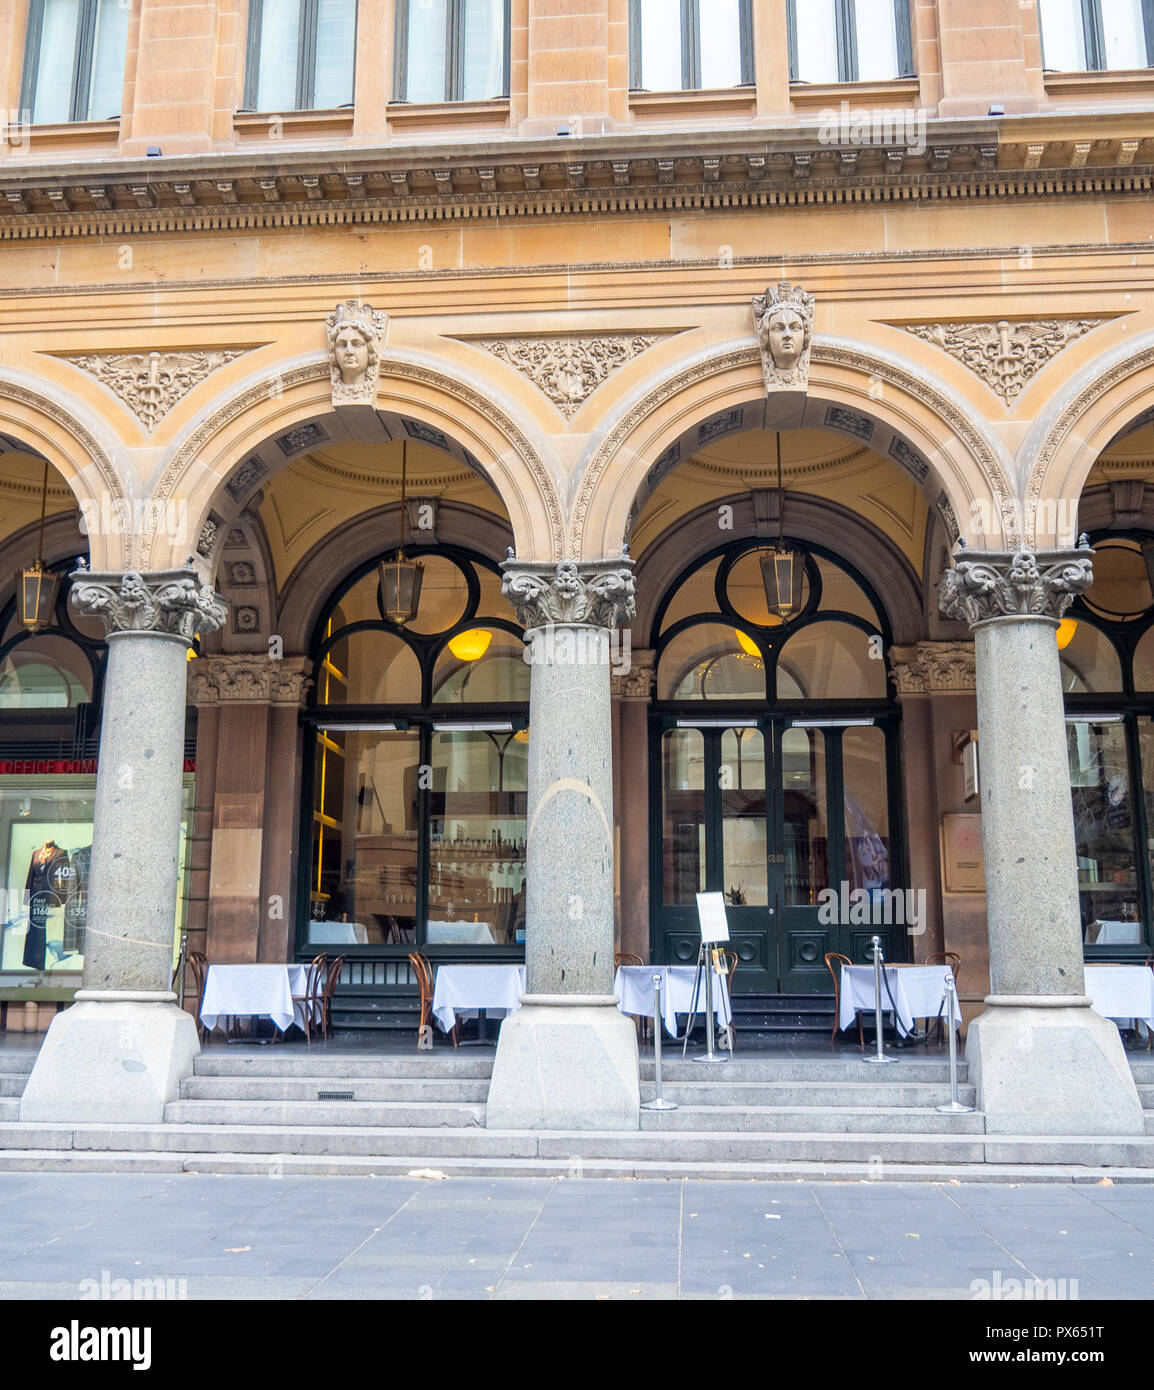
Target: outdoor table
[
  {"x": 337, "y": 934},
  {"x": 465, "y": 990},
  {"x": 1122, "y": 992},
  {"x": 1118, "y": 934},
  {"x": 459, "y": 934},
  {"x": 254, "y": 991},
  {"x": 919, "y": 991},
  {"x": 633, "y": 986}
]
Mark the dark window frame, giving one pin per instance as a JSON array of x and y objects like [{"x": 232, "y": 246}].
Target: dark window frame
[
  {"x": 845, "y": 22},
  {"x": 454, "y": 52},
  {"x": 1094, "y": 37},
  {"x": 306, "y": 55},
  {"x": 690, "y": 45},
  {"x": 81, "y": 93}
]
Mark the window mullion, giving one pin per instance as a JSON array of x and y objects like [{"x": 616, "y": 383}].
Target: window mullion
[
  {"x": 32, "y": 57},
  {"x": 82, "y": 63},
  {"x": 791, "y": 37},
  {"x": 846, "y": 19},
  {"x": 1094, "y": 36},
  {"x": 454, "y": 22},
  {"x": 306, "y": 54},
  {"x": 690, "y": 66},
  {"x": 252, "y": 57},
  {"x": 1148, "y": 30},
  {"x": 905, "y": 40},
  {"x": 634, "y": 45},
  {"x": 745, "y": 39}
]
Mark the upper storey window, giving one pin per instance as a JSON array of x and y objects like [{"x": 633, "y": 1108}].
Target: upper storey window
[
  {"x": 300, "y": 54},
  {"x": 452, "y": 50},
  {"x": 74, "y": 60},
  {"x": 1092, "y": 35},
  {"x": 849, "y": 40},
  {"x": 672, "y": 49}
]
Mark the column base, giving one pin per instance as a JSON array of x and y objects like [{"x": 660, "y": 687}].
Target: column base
[
  {"x": 114, "y": 1057},
  {"x": 1051, "y": 1068},
  {"x": 566, "y": 1062}
]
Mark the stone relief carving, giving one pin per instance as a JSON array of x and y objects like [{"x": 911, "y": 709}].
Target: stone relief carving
[
  {"x": 151, "y": 383},
  {"x": 247, "y": 679},
  {"x": 783, "y": 321},
  {"x": 354, "y": 333},
  {"x": 1004, "y": 355},
  {"x": 984, "y": 584},
  {"x": 637, "y": 682},
  {"x": 602, "y": 594},
  {"x": 172, "y": 602},
  {"x": 930, "y": 666},
  {"x": 568, "y": 368}
]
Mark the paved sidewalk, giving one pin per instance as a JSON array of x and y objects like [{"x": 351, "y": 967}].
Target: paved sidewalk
[{"x": 334, "y": 1238}]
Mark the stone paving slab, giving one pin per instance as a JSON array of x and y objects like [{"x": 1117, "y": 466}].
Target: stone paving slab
[{"x": 238, "y": 1237}]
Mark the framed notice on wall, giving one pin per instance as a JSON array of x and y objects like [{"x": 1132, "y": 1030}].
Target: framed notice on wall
[{"x": 963, "y": 865}]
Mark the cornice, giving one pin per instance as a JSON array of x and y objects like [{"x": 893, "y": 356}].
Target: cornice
[{"x": 628, "y": 172}]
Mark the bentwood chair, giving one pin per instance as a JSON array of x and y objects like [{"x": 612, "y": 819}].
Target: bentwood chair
[
  {"x": 1149, "y": 964},
  {"x": 628, "y": 958},
  {"x": 425, "y": 981},
  {"x": 198, "y": 963},
  {"x": 313, "y": 974},
  {"x": 731, "y": 963},
  {"x": 954, "y": 961},
  {"x": 325, "y": 988},
  {"x": 842, "y": 961}
]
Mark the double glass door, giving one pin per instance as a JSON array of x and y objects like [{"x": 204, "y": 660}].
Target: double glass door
[{"x": 791, "y": 820}]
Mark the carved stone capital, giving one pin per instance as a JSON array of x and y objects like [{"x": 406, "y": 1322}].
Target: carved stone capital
[
  {"x": 783, "y": 322},
  {"x": 637, "y": 682},
  {"x": 986, "y": 584},
  {"x": 248, "y": 679},
  {"x": 933, "y": 666},
  {"x": 354, "y": 336},
  {"x": 601, "y": 594},
  {"x": 171, "y": 603}
]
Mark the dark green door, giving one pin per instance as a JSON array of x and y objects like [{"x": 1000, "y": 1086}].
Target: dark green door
[{"x": 790, "y": 819}]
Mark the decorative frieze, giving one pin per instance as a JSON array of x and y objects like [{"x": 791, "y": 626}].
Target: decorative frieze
[
  {"x": 151, "y": 383},
  {"x": 248, "y": 679},
  {"x": 169, "y": 602},
  {"x": 783, "y": 322},
  {"x": 568, "y": 368},
  {"x": 984, "y": 584},
  {"x": 637, "y": 682},
  {"x": 1004, "y": 355},
  {"x": 354, "y": 335},
  {"x": 929, "y": 667},
  {"x": 601, "y": 594}
]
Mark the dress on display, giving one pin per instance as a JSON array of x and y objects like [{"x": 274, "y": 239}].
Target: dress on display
[{"x": 47, "y": 885}]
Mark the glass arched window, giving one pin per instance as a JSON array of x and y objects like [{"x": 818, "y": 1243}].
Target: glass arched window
[
  {"x": 418, "y": 770},
  {"x": 1106, "y": 654}
]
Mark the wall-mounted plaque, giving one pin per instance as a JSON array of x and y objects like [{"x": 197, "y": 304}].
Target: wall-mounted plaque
[{"x": 963, "y": 864}]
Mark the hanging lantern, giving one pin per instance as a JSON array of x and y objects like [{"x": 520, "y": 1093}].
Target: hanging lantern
[
  {"x": 37, "y": 589},
  {"x": 1065, "y": 634},
  {"x": 401, "y": 578},
  {"x": 471, "y": 645},
  {"x": 35, "y": 585},
  {"x": 782, "y": 569}
]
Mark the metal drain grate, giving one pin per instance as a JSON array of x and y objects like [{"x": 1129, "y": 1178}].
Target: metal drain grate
[{"x": 336, "y": 1095}]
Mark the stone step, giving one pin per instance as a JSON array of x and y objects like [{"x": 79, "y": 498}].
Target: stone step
[
  {"x": 745, "y": 1068},
  {"x": 307, "y": 1088},
  {"x": 12, "y": 1085},
  {"x": 366, "y": 1140},
  {"x": 9, "y": 1110},
  {"x": 17, "y": 1063},
  {"x": 418, "y": 1167},
  {"x": 813, "y": 1120},
  {"x": 267, "y": 1061},
  {"x": 815, "y": 1093},
  {"x": 299, "y": 1114}
]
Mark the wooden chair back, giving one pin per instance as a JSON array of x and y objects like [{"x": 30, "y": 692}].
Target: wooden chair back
[
  {"x": 626, "y": 958},
  {"x": 950, "y": 958},
  {"x": 325, "y": 993},
  {"x": 842, "y": 961}
]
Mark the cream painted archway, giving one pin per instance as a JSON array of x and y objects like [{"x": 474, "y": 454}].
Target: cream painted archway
[
  {"x": 65, "y": 433},
  {"x": 970, "y": 470},
  {"x": 1062, "y": 448},
  {"x": 274, "y": 402}
]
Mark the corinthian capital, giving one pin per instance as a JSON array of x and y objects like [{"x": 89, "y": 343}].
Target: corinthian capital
[
  {"x": 170, "y": 602},
  {"x": 249, "y": 679},
  {"x": 984, "y": 584},
  {"x": 600, "y": 593}
]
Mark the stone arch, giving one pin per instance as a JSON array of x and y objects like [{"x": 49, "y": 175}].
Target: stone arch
[
  {"x": 964, "y": 470},
  {"x": 1110, "y": 397},
  {"x": 77, "y": 446},
  {"x": 215, "y": 449}
]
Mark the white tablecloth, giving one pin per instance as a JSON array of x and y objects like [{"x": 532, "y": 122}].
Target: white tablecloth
[
  {"x": 460, "y": 990},
  {"x": 1118, "y": 934},
  {"x": 459, "y": 933},
  {"x": 918, "y": 991},
  {"x": 247, "y": 991},
  {"x": 1122, "y": 992},
  {"x": 633, "y": 986},
  {"x": 337, "y": 934}
]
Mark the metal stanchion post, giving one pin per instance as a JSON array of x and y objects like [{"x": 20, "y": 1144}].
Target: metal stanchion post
[
  {"x": 709, "y": 1055},
  {"x": 658, "y": 1103},
  {"x": 180, "y": 961},
  {"x": 880, "y": 1055},
  {"x": 954, "y": 1107}
]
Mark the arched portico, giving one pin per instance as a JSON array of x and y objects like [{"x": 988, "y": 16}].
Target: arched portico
[{"x": 852, "y": 389}]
